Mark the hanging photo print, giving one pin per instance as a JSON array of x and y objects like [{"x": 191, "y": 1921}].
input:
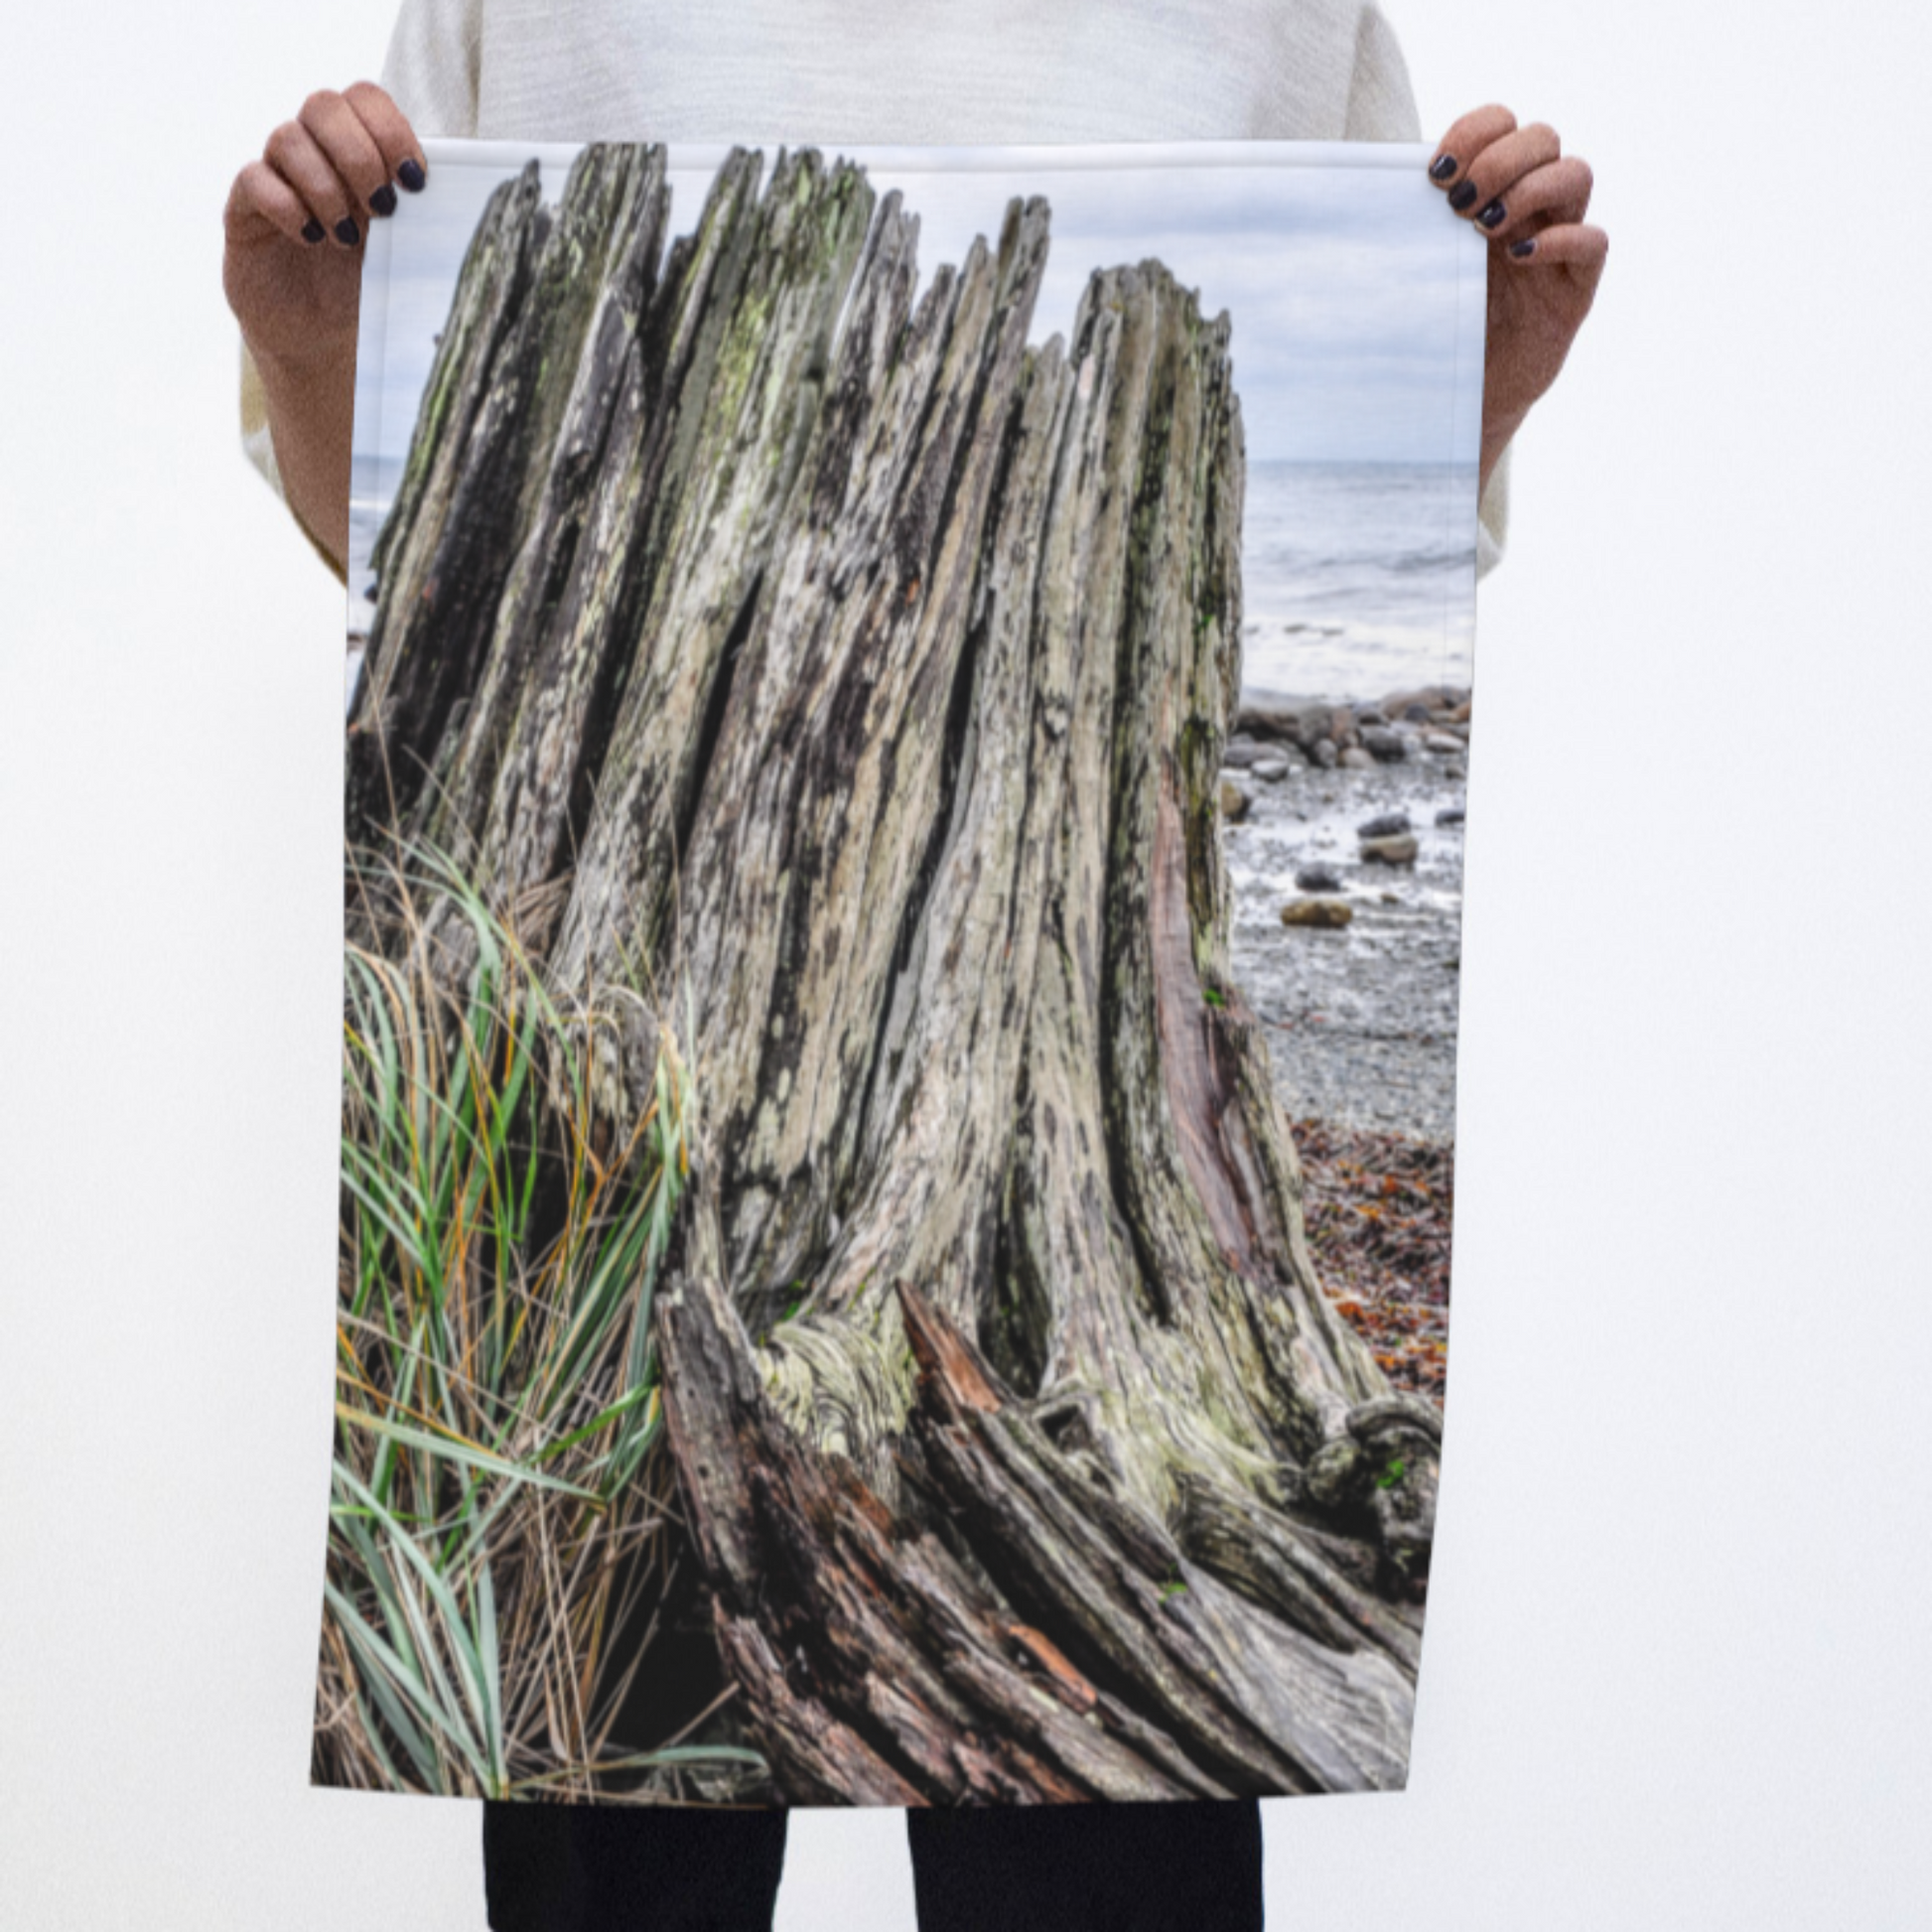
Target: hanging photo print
[{"x": 906, "y": 751}]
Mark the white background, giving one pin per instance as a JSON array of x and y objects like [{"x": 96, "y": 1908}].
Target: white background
[{"x": 1676, "y": 1660}]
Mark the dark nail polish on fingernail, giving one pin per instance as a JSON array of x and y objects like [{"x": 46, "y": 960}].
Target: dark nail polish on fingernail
[
  {"x": 1492, "y": 216},
  {"x": 312, "y": 231},
  {"x": 410, "y": 174},
  {"x": 1443, "y": 169},
  {"x": 1527, "y": 247},
  {"x": 1460, "y": 197},
  {"x": 347, "y": 233},
  {"x": 383, "y": 201}
]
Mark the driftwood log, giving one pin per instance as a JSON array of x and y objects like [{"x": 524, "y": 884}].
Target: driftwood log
[{"x": 850, "y": 674}]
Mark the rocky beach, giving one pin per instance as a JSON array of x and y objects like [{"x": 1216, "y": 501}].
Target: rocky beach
[{"x": 1343, "y": 831}]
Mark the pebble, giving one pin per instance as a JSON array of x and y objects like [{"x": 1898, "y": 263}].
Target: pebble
[
  {"x": 1432, "y": 698},
  {"x": 1267, "y": 713},
  {"x": 1370, "y": 714},
  {"x": 1385, "y": 825},
  {"x": 1450, "y": 815},
  {"x": 1234, "y": 803},
  {"x": 1390, "y": 747},
  {"x": 1316, "y": 878},
  {"x": 1444, "y": 741},
  {"x": 1238, "y": 753},
  {"x": 1332, "y": 914},
  {"x": 1271, "y": 771},
  {"x": 1400, "y": 850},
  {"x": 1355, "y": 759},
  {"x": 1458, "y": 772},
  {"x": 1324, "y": 751}
]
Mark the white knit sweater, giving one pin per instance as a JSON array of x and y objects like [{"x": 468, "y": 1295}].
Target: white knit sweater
[{"x": 902, "y": 72}]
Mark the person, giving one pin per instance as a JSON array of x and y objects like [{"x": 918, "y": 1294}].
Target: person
[{"x": 865, "y": 71}]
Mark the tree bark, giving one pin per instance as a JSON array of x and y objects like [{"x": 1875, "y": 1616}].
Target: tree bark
[{"x": 846, "y": 677}]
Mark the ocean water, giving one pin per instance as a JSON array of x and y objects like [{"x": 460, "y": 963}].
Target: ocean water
[
  {"x": 1358, "y": 579},
  {"x": 371, "y": 490}
]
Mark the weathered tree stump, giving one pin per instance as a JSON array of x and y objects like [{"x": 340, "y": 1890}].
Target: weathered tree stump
[{"x": 848, "y": 674}]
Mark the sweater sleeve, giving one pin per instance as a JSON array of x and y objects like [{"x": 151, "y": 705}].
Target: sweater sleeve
[
  {"x": 434, "y": 68},
  {"x": 1381, "y": 102},
  {"x": 431, "y": 72},
  {"x": 1382, "y": 107}
]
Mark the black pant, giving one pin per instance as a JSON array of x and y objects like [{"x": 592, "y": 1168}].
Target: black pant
[{"x": 1157, "y": 1867}]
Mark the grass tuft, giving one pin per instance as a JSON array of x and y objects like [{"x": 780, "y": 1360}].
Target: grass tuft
[{"x": 499, "y": 1507}]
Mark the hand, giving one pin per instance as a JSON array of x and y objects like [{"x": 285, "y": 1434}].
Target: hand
[
  {"x": 1545, "y": 261},
  {"x": 296, "y": 219},
  {"x": 292, "y": 270}
]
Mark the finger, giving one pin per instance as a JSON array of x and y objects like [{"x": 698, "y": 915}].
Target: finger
[
  {"x": 1556, "y": 193},
  {"x": 293, "y": 153},
  {"x": 388, "y": 126},
  {"x": 1466, "y": 139},
  {"x": 1578, "y": 246},
  {"x": 260, "y": 198},
  {"x": 353, "y": 153},
  {"x": 1491, "y": 177}
]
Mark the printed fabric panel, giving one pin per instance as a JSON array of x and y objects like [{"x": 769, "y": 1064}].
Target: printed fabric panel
[{"x": 906, "y": 738}]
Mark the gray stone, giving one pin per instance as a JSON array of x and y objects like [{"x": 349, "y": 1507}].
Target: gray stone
[
  {"x": 1234, "y": 803},
  {"x": 1271, "y": 771},
  {"x": 1385, "y": 825},
  {"x": 1397, "y": 851},
  {"x": 1445, "y": 742},
  {"x": 1356, "y": 760},
  {"x": 1458, "y": 772},
  {"x": 1239, "y": 753},
  {"x": 1324, "y": 752},
  {"x": 1267, "y": 714},
  {"x": 1385, "y": 746},
  {"x": 1450, "y": 815},
  {"x": 1312, "y": 723},
  {"x": 1316, "y": 878}
]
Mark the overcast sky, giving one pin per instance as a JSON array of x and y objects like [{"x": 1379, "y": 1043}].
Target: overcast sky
[{"x": 1354, "y": 293}]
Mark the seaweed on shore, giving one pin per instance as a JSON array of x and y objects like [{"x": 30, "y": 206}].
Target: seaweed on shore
[{"x": 1379, "y": 1212}]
